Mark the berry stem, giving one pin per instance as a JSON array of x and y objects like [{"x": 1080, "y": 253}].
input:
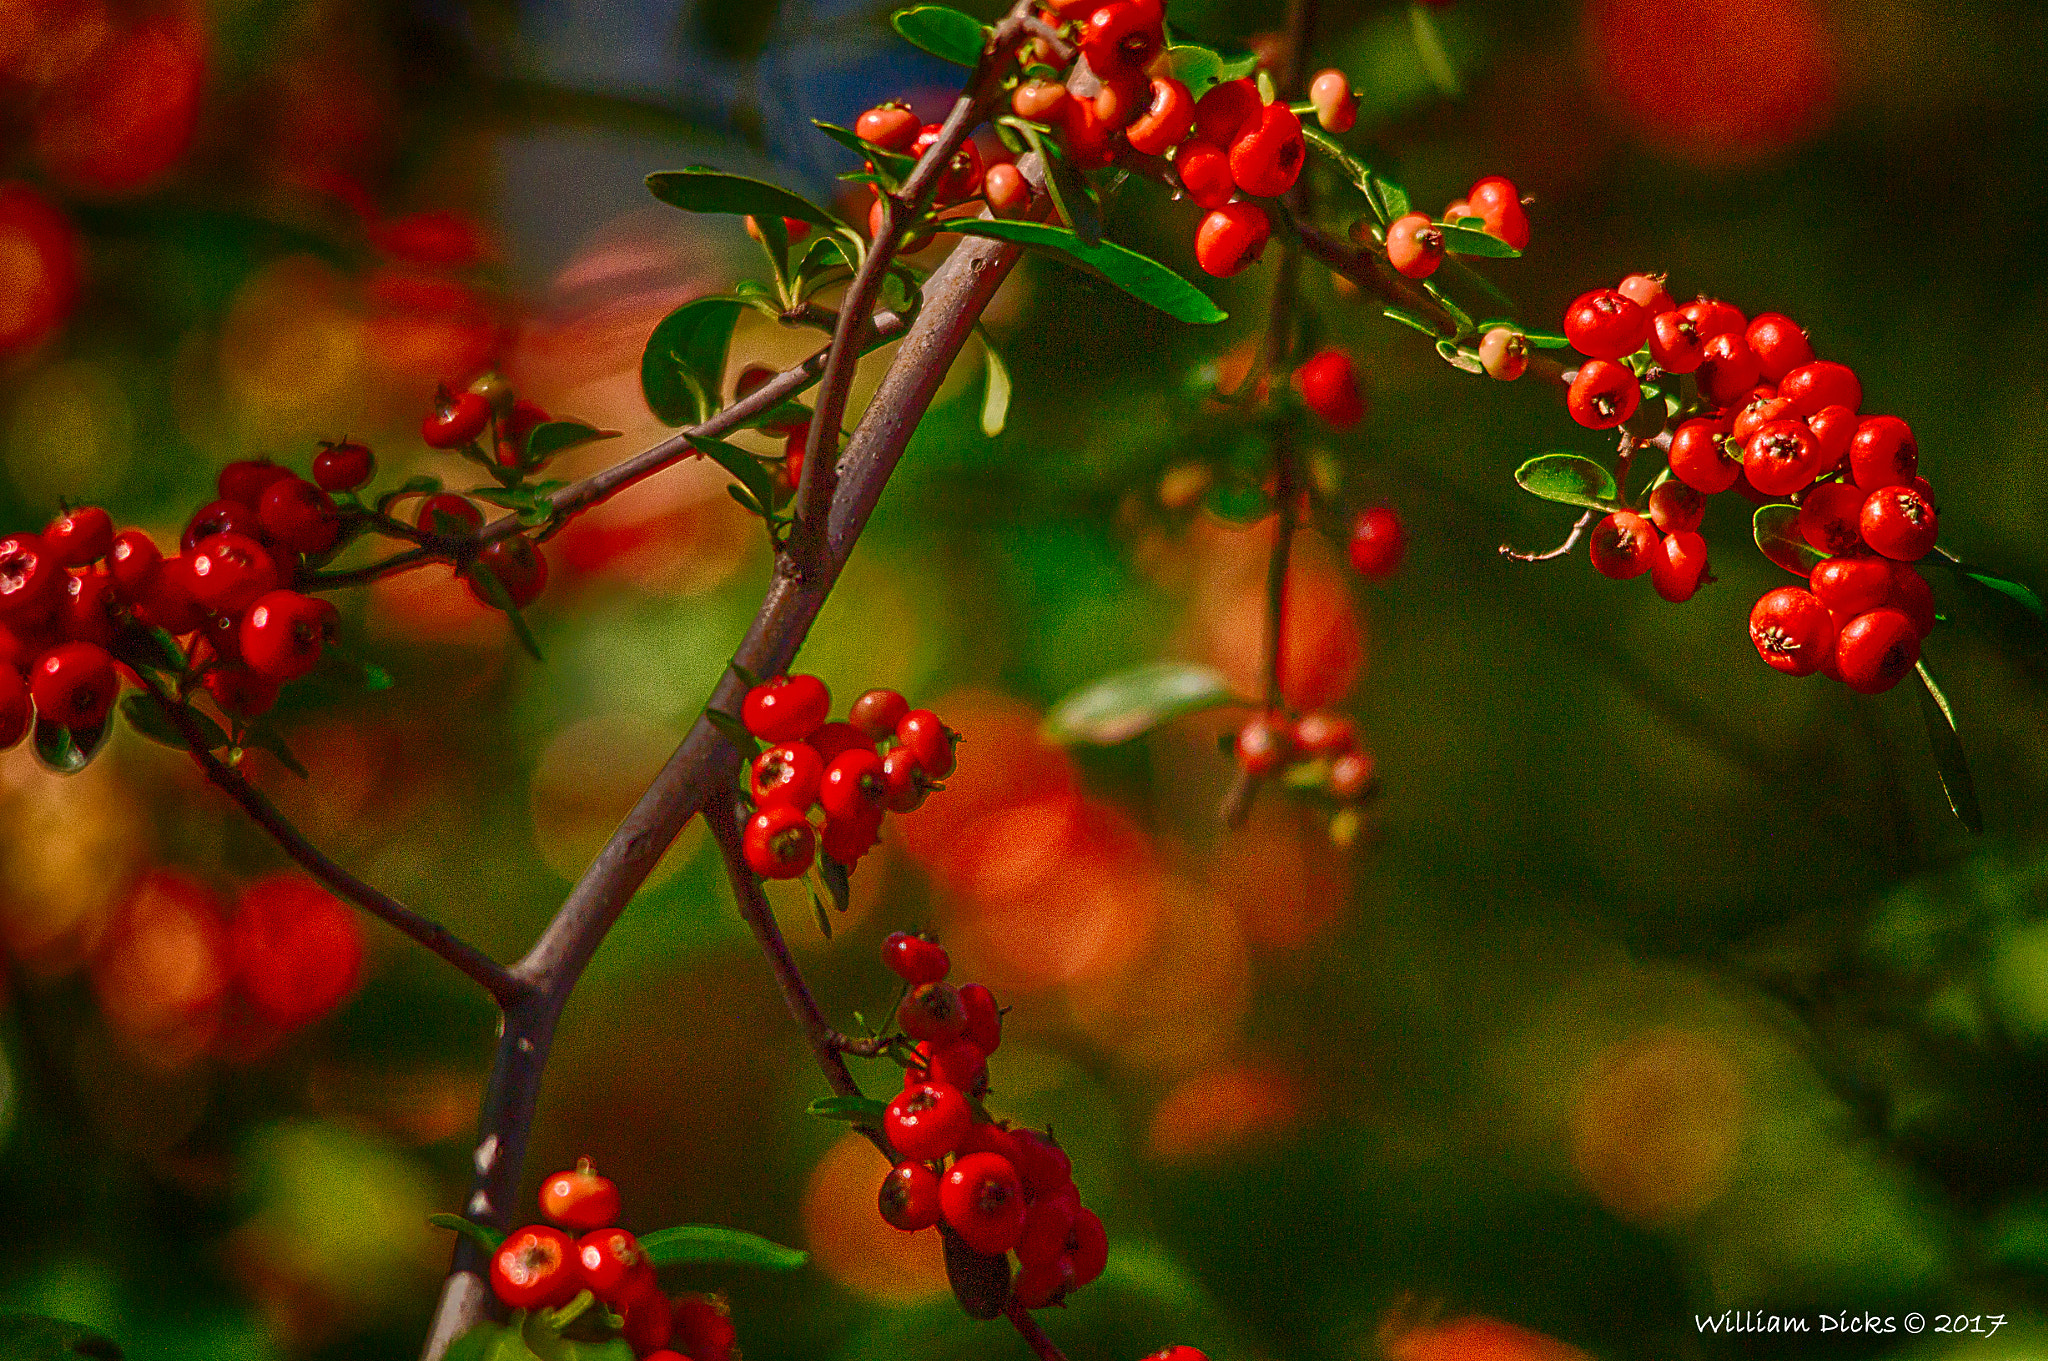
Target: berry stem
[{"x": 1034, "y": 1336}]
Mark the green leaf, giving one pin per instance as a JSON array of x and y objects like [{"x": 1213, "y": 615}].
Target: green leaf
[
  {"x": 483, "y": 1235},
  {"x": 995, "y": 398},
  {"x": 716, "y": 191},
  {"x": 838, "y": 882},
  {"x": 147, "y": 649},
  {"x": 421, "y": 485},
  {"x": 733, "y": 730},
  {"x": 1571, "y": 479},
  {"x": 1120, "y": 707},
  {"x": 820, "y": 915},
  {"x": 551, "y": 437},
  {"x": 67, "y": 751},
  {"x": 1407, "y": 318},
  {"x": 263, "y": 737},
  {"x": 688, "y": 1243},
  {"x": 1545, "y": 340},
  {"x": 891, "y": 167},
  {"x": 1239, "y": 504},
  {"x": 1143, "y": 278},
  {"x": 32, "y": 1337},
  {"x": 147, "y": 717},
  {"x": 856, "y": 1110},
  {"x": 945, "y": 33},
  {"x": 684, "y": 363},
  {"x": 2007, "y": 612},
  {"x": 2012, "y": 590},
  {"x": 1949, "y": 762},
  {"x": 1429, "y": 49},
  {"x": 1465, "y": 241},
  {"x": 494, "y": 593},
  {"x": 1199, "y": 67},
  {"x": 758, "y": 481},
  {"x": 1458, "y": 357},
  {"x": 1776, "y": 530},
  {"x": 491, "y": 1342},
  {"x": 1391, "y": 196},
  {"x": 1458, "y": 314}
]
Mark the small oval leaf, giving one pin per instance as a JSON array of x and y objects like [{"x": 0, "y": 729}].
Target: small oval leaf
[
  {"x": 857, "y": 1110},
  {"x": 717, "y": 191},
  {"x": 551, "y": 437},
  {"x": 684, "y": 363},
  {"x": 1569, "y": 479},
  {"x": 1949, "y": 762},
  {"x": 66, "y": 750},
  {"x": 1466, "y": 241},
  {"x": 1140, "y": 276},
  {"x": 1122, "y": 706},
  {"x": 943, "y": 32},
  {"x": 716, "y": 1243},
  {"x": 1776, "y": 529}
]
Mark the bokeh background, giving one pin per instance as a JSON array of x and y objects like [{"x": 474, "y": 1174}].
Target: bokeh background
[{"x": 1660, "y": 986}]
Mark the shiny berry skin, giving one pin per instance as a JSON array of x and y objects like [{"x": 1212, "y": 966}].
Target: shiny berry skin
[
  {"x": 1834, "y": 428},
  {"x": 1089, "y": 1247},
  {"x": 246, "y": 481},
  {"x": 932, "y": 1011},
  {"x": 580, "y": 1198},
  {"x": 1677, "y": 565},
  {"x": 1267, "y": 157},
  {"x": 1378, "y": 543},
  {"x": 1415, "y": 247},
  {"x": 1041, "y": 1163},
  {"x": 877, "y": 712},
  {"x": 240, "y": 691},
  {"x": 31, "y": 581},
  {"x": 1120, "y": 37},
  {"x": 1227, "y": 112},
  {"x": 229, "y": 571},
  {"x": 1504, "y": 354},
  {"x": 1821, "y": 383},
  {"x": 87, "y": 614},
  {"x": 1323, "y": 733},
  {"x": 909, "y": 1198},
  {"x": 1622, "y": 545},
  {"x": 1899, "y": 522},
  {"x": 1712, "y": 317},
  {"x": 344, "y": 466},
  {"x": 535, "y": 1268},
  {"x": 74, "y": 685},
  {"x": 221, "y": 517},
  {"x": 1007, "y": 191},
  {"x": 283, "y": 632},
  {"x": 298, "y": 516},
  {"x": 1781, "y": 457},
  {"x": 1675, "y": 343},
  {"x": 927, "y": 1120},
  {"x": 1676, "y": 507},
  {"x": 929, "y": 741},
  {"x": 1166, "y": 120},
  {"x": 786, "y": 709},
  {"x": 1883, "y": 453},
  {"x": 80, "y": 537},
  {"x": 846, "y": 840},
  {"x": 1603, "y": 324},
  {"x": 519, "y": 567},
  {"x": 1230, "y": 238},
  {"x": 914, "y": 959},
  {"x": 1828, "y": 517},
  {"x": 447, "y": 513},
  {"x": 779, "y": 842},
  {"x": 1698, "y": 460},
  {"x": 1728, "y": 369},
  {"x": 984, "y": 1018},
  {"x": 1646, "y": 291},
  {"x": 1876, "y": 650},
  {"x": 1335, "y": 105},
  {"x": 834, "y": 740},
  {"x": 1043, "y": 1284},
  {"x": 1603, "y": 395},
  {"x": 1263, "y": 745},
  {"x": 1178, "y": 1353},
  {"x": 962, "y": 178},
  {"x": 786, "y": 774},
  {"x": 1778, "y": 344},
  {"x": 455, "y": 420},
  {"x": 1792, "y": 631},
  {"x": 905, "y": 785},
  {"x": 1497, "y": 201},
  {"x": 1204, "y": 172},
  {"x": 607, "y": 1259},
  {"x": 1037, "y": 100},
  {"x": 1852, "y": 586},
  {"x": 983, "y": 1199},
  {"x": 167, "y": 601},
  {"x": 134, "y": 560},
  {"x": 956, "y": 1062},
  {"x": 853, "y": 786},
  {"x": 1760, "y": 408},
  {"x": 1328, "y": 384},
  {"x": 1087, "y": 136},
  {"x": 17, "y": 708},
  {"x": 892, "y": 126}
]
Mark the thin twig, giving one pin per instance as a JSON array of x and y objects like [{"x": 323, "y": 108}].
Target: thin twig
[
  {"x": 1571, "y": 541},
  {"x": 494, "y": 978},
  {"x": 1034, "y": 1336},
  {"x": 1368, "y": 268}
]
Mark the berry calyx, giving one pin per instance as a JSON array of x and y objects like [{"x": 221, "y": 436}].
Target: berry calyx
[
  {"x": 1504, "y": 354},
  {"x": 31, "y": 581},
  {"x": 580, "y": 1198},
  {"x": 1828, "y": 517},
  {"x": 779, "y": 842},
  {"x": 608, "y": 1258},
  {"x": 786, "y": 774},
  {"x": 932, "y": 1011},
  {"x": 1603, "y": 395},
  {"x": 1899, "y": 522},
  {"x": 1646, "y": 291},
  {"x": 1792, "y": 631},
  {"x": 1781, "y": 457},
  {"x": 1328, "y": 383},
  {"x": 915, "y": 959},
  {"x": 787, "y": 709},
  {"x": 535, "y": 1269},
  {"x": 1698, "y": 459}
]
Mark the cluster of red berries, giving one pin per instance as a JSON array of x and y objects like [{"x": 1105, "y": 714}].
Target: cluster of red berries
[
  {"x": 1006, "y": 1189},
  {"x": 885, "y": 758},
  {"x": 1328, "y": 383},
  {"x": 541, "y": 1267},
  {"x": 1416, "y": 244},
  {"x": 893, "y": 126},
  {"x": 1779, "y": 425},
  {"x": 1322, "y": 745}
]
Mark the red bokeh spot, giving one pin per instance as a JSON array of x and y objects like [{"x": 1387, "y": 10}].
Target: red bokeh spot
[
  {"x": 1477, "y": 1339},
  {"x": 162, "y": 966},
  {"x": 38, "y": 267},
  {"x": 125, "y": 118},
  {"x": 297, "y": 950}
]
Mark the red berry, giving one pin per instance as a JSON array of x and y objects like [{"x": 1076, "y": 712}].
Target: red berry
[
  {"x": 846, "y": 840},
  {"x": 134, "y": 561},
  {"x": 1911, "y": 596},
  {"x": 1087, "y": 135},
  {"x": 608, "y": 1258},
  {"x": 915, "y": 959},
  {"x": 1504, "y": 353},
  {"x": 298, "y": 516},
  {"x": 1231, "y": 237},
  {"x": 962, "y": 178},
  {"x": 1792, "y": 631},
  {"x": 1876, "y": 650},
  {"x": 1828, "y": 518},
  {"x": 1759, "y": 409},
  {"x": 1323, "y": 733},
  {"x": 1351, "y": 777},
  {"x": 1048, "y": 1224},
  {"x": 1883, "y": 453},
  {"x": 877, "y": 712},
  {"x": 1815, "y": 385},
  {"x": 984, "y": 1018},
  {"x": 31, "y": 581},
  {"x": 1677, "y": 565},
  {"x": 1675, "y": 342},
  {"x": 580, "y": 1198},
  {"x": 779, "y": 842},
  {"x": 81, "y": 537},
  {"x": 87, "y": 614},
  {"x": 449, "y": 514},
  {"x": 932, "y": 1011},
  {"x": 167, "y": 602},
  {"x": 1646, "y": 291},
  {"x": 1781, "y": 457},
  {"x": 1041, "y": 1163},
  {"x": 834, "y": 740},
  {"x": 1226, "y": 112},
  {"x": 1378, "y": 543},
  {"x": 1121, "y": 37},
  {"x": 455, "y": 419},
  {"x": 909, "y": 1198},
  {"x": 1603, "y": 324},
  {"x": 1204, "y": 172},
  {"x": 1623, "y": 545},
  {"x": 1834, "y": 428},
  {"x": 535, "y": 1269},
  {"x": 297, "y": 949},
  {"x": 649, "y": 1321},
  {"x": 1603, "y": 395},
  {"x": 1415, "y": 246},
  {"x": 891, "y": 126},
  {"x": 344, "y": 466},
  {"x": 1676, "y": 507},
  {"x": 283, "y": 632},
  {"x": 853, "y": 786},
  {"x": 229, "y": 571},
  {"x": 1728, "y": 368},
  {"x": 1166, "y": 119},
  {"x": 1038, "y": 100},
  {"x": 247, "y": 480},
  {"x": 1698, "y": 460},
  {"x": 905, "y": 785},
  {"x": 930, "y": 742},
  {"x": 954, "y": 1061},
  {"x": 787, "y": 709},
  {"x": 1712, "y": 317},
  {"x": 1089, "y": 1246},
  {"x": 239, "y": 691},
  {"x": 1266, "y": 157},
  {"x": 1329, "y": 385},
  {"x": 787, "y": 774},
  {"x": 703, "y": 1327},
  {"x": 1899, "y": 522},
  {"x": 927, "y": 1120},
  {"x": 1336, "y": 104},
  {"x": 1497, "y": 201},
  {"x": 1043, "y": 1284},
  {"x": 517, "y": 564},
  {"x": 1851, "y": 586},
  {"x": 221, "y": 517},
  {"x": 1185, "y": 1353},
  {"x": 1263, "y": 745},
  {"x": 983, "y": 1200},
  {"x": 17, "y": 709},
  {"x": 1778, "y": 344}
]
